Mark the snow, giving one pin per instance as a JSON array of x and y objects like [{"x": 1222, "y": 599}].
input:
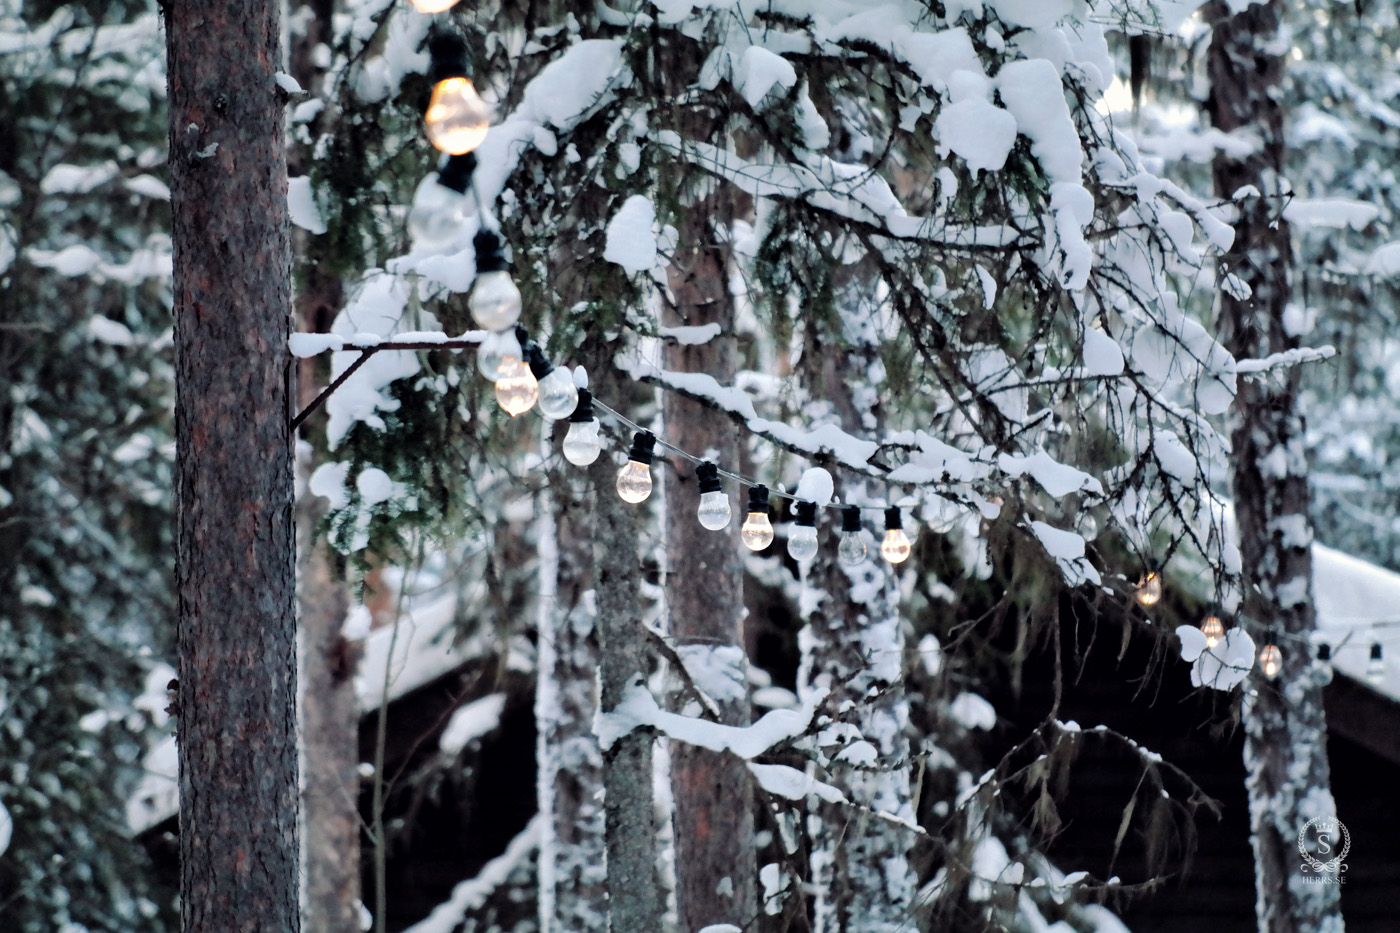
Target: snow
[
  {"x": 105, "y": 330},
  {"x": 978, "y": 131},
  {"x": 816, "y": 485},
  {"x": 148, "y": 186},
  {"x": 287, "y": 83},
  {"x": 793, "y": 784},
  {"x": 1333, "y": 213},
  {"x": 471, "y": 894},
  {"x": 471, "y": 722},
  {"x": 1222, "y": 667},
  {"x": 1102, "y": 355},
  {"x": 631, "y": 236},
  {"x": 1385, "y": 261},
  {"x": 972, "y": 712},
  {"x": 375, "y": 486},
  {"x": 77, "y": 179},
  {"x": 1055, "y": 478},
  {"x": 309, "y": 345},
  {"x": 301, "y": 204},
  {"x": 690, "y": 336},
  {"x": 760, "y": 71},
  {"x": 7, "y": 827},
  {"x": 1067, "y": 549},
  {"x": 719, "y": 671}
]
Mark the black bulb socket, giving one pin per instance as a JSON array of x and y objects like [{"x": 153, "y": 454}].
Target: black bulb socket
[
  {"x": 456, "y": 175},
  {"x": 583, "y": 412},
  {"x": 522, "y": 337},
  {"x": 850, "y": 518},
  {"x": 1324, "y": 652},
  {"x": 707, "y": 474},
  {"x": 1376, "y": 651},
  {"x": 893, "y": 519},
  {"x": 539, "y": 364},
  {"x": 758, "y": 499},
  {"x": 643, "y": 446},
  {"x": 805, "y": 513},
  {"x": 489, "y": 257},
  {"x": 448, "y": 52}
]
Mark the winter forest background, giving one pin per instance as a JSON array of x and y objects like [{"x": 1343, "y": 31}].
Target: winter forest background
[{"x": 1095, "y": 298}]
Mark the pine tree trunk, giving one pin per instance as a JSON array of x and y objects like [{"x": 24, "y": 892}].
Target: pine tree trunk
[
  {"x": 852, "y": 650},
  {"x": 235, "y": 575},
  {"x": 1285, "y": 728},
  {"x": 635, "y": 904},
  {"x": 573, "y": 855},
  {"x": 331, "y": 725}
]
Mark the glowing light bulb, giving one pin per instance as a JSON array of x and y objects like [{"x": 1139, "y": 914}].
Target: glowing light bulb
[
  {"x": 896, "y": 547},
  {"x": 498, "y": 355},
  {"x": 1213, "y": 629},
  {"x": 852, "y": 550},
  {"x": 634, "y": 479},
  {"x": 558, "y": 394},
  {"x": 516, "y": 390},
  {"x": 714, "y": 512},
  {"x": 802, "y": 536},
  {"x": 1270, "y": 660},
  {"x": 433, "y": 6},
  {"x": 1149, "y": 589},
  {"x": 1375, "y": 667},
  {"x": 582, "y": 443},
  {"x": 757, "y": 530},
  {"x": 457, "y": 118}
]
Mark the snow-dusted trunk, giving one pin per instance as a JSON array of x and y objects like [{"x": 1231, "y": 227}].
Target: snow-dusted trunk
[
  {"x": 572, "y": 865},
  {"x": 852, "y": 650},
  {"x": 1285, "y": 728},
  {"x": 234, "y": 572},
  {"x": 635, "y": 902},
  {"x": 715, "y": 861},
  {"x": 330, "y": 727}
]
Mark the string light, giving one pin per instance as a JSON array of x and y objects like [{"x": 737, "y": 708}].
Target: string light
[
  {"x": 757, "y": 530},
  {"x": 851, "y": 551},
  {"x": 1149, "y": 589},
  {"x": 802, "y": 536},
  {"x": 516, "y": 389},
  {"x": 558, "y": 394},
  {"x": 496, "y": 351},
  {"x": 582, "y": 443},
  {"x": 896, "y": 546},
  {"x": 1213, "y": 629},
  {"x": 457, "y": 118},
  {"x": 440, "y": 204},
  {"x": 634, "y": 479},
  {"x": 1270, "y": 657},
  {"x": 1375, "y": 667},
  {"x": 714, "y": 512},
  {"x": 495, "y": 301},
  {"x": 433, "y": 6}
]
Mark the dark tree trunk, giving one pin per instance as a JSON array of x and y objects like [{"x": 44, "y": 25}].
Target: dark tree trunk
[
  {"x": 716, "y": 871},
  {"x": 1285, "y": 729},
  {"x": 235, "y": 576},
  {"x": 635, "y": 904}
]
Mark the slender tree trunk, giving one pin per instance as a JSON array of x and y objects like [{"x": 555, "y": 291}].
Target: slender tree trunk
[
  {"x": 1285, "y": 728},
  {"x": 330, "y": 723},
  {"x": 235, "y": 575},
  {"x": 635, "y": 903},
  {"x": 573, "y": 862},
  {"x": 852, "y": 650}
]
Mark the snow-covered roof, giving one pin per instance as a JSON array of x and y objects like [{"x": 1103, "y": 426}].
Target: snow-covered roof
[
  {"x": 1353, "y": 597},
  {"x": 423, "y": 651}
]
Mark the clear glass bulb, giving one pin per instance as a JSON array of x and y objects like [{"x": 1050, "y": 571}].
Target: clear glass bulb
[
  {"x": 495, "y": 351},
  {"x": 516, "y": 390},
  {"x": 896, "y": 547},
  {"x": 852, "y": 550},
  {"x": 714, "y": 512},
  {"x": 437, "y": 213},
  {"x": 433, "y": 6},
  {"x": 495, "y": 301},
  {"x": 757, "y": 531},
  {"x": 1149, "y": 590},
  {"x": 558, "y": 394},
  {"x": 457, "y": 118},
  {"x": 1213, "y": 629},
  {"x": 634, "y": 482},
  {"x": 1271, "y": 660},
  {"x": 802, "y": 542},
  {"x": 1375, "y": 668},
  {"x": 582, "y": 443}
]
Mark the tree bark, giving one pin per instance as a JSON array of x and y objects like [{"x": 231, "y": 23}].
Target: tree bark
[
  {"x": 1285, "y": 728},
  {"x": 234, "y": 571},
  {"x": 635, "y": 903},
  {"x": 716, "y": 869},
  {"x": 573, "y": 865}
]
